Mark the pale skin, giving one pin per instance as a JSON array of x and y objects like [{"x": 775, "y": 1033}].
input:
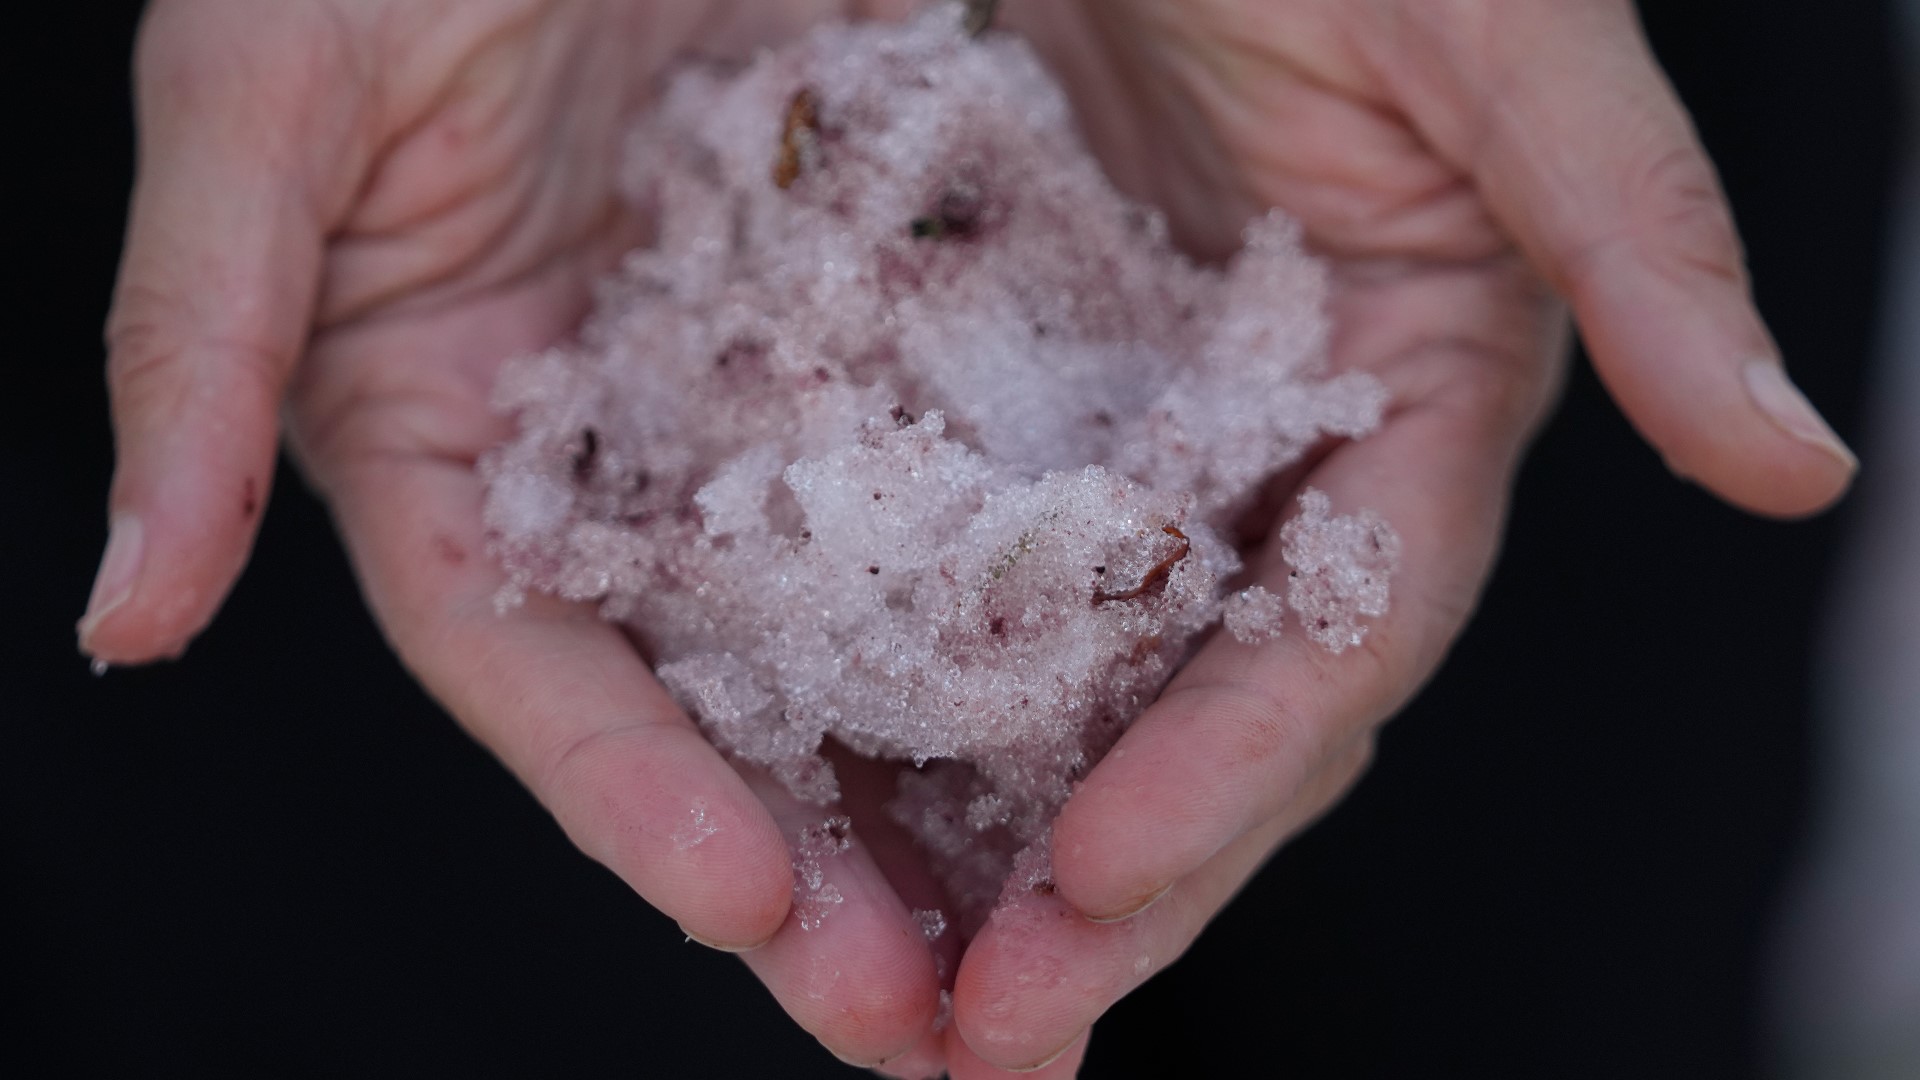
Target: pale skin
[{"x": 349, "y": 212}]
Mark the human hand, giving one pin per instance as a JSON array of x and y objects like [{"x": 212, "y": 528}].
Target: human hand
[
  {"x": 357, "y": 209},
  {"x": 1461, "y": 162},
  {"x": 392, "y": 182}
]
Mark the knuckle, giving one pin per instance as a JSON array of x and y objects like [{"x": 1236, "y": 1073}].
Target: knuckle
[
  {"x": 576, "y": 763},
  {"x": 1276, "y": 735},
  {"x": 139, "y": 351},
  {"x": 152, "y": 371},
  {"x": 181, "y": 44},
  {"x": 1254, "y": 726},
  {"x": 237, "y": 57},
  {"x": 1675, "y": 219},
  {"x": 151, "y": 333},
  {"x": 1678, "y": 205},
  {"x": 604, "y": 771},
  {"x": 593, "y": 786},
  {"x": 606, "y": 788},
  {"x": 144, "y": 374}
]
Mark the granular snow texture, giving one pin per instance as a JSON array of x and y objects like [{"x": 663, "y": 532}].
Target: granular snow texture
[{"x": 908, "y": 431}]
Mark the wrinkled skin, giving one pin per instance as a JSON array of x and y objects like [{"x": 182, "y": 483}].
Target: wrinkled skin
[{"x": 349, "y": 212}]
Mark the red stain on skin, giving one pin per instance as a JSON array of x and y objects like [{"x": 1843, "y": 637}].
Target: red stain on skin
[
  {"x": 250, "y": 498},
  {"x": 450, "y": 552}
]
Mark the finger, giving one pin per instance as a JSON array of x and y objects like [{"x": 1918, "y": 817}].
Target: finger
[
  {"x": 1062, "y": 1064},
  {"x": 560, "y": 696},
  {"x": 241, "y": 125},
  {"x": 1038, "y": 975},
  {"x": 926, "y": 1061},
  {"x": 1574, "y": 136},
  {"x": 855, "y": 972},
  {"x": 1240, "y": 729}
]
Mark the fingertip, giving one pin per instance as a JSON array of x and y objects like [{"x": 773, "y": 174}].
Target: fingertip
[
  {"x": 1164, "y": 800},
  {"x": 1794, "y": 486},
  {"x": 1816, "y": 468},
  {"x": 747, "y": 894},
  {"x": 1032, "y": 981},
  {"x": 1758, "y": 444},
  {"x": 169, "y": 561},
  {"x": 926, "y": 1061},
  {"x": 658, "y": 807},
  {"x": 723, "y": 946},
  {"x": 196, "y": 430},
  {"x": 113, "y": 584},
  {"x": 734, "y": 914},
  {"x": 1130, "y": 908},
  {"x": 1061, "y": 1063},
  {"x": 861, "y": 981},
  {"x": 893, "y": 995},
  {"x": 1102, "y": 884},
  {"x": 1690, "y": 362}
]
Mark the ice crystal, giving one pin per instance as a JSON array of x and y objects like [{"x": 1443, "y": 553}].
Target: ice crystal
[
  {"x": 1340, "y": 570},
  {"x": 1255, "y": 615},
  {"x": 696, "y": 829},
  {"x": 814, "y": 897},
  {"x": 933, "y": 922}
]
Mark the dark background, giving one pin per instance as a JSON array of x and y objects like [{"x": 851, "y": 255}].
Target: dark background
[{"x": 278, "y": 857}]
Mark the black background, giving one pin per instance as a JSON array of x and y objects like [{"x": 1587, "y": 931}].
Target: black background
[{"x": 277, "y": 857}]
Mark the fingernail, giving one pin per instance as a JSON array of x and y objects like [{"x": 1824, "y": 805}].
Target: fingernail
[
  {"x": 119, "y": 568},
  {"x": 919, "y": 1063},
  {"x": 719, "y": 947},
  {"x": 1124, "y": 916},
  {"x": 1050, "y": 1058},
  {"x": 871, "y": 1064},
  {"x": 1786, "y": 406}
]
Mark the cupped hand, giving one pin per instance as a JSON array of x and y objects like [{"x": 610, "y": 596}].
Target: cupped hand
[
  {"x": 358, "y": 208},
  {"x": 1469, "y": 166},
  {"x": 351, "y": 211}
]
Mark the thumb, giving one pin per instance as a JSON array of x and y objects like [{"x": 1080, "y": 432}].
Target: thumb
[
  {"x": 1585, "y": 155},
  {"x": 216, "y": 291}
]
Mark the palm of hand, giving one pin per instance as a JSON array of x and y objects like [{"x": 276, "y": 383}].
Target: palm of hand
[
  {"x": 460, "y": 197},
  {"x": 475, "y": 238}
]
